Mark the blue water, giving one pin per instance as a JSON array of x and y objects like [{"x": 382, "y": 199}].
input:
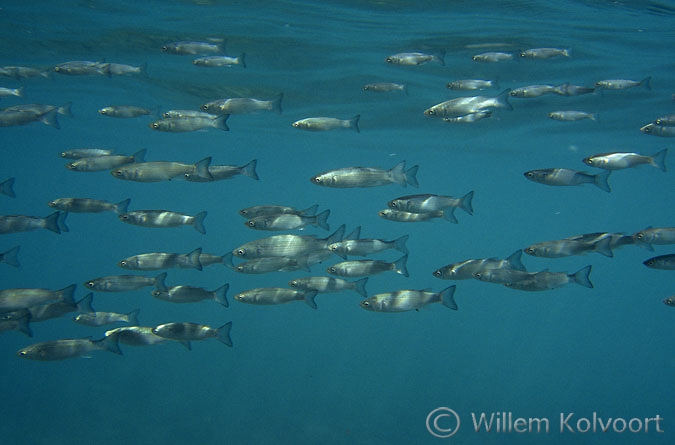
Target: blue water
[{"x": 342, "y": 375}]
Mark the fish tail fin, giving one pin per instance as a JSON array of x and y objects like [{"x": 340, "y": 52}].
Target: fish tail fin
[
  {"x": 659, "y": 160},
  {"x": 110, "y": 343},
  {"x": 143, "y": 70},
  {"x": 360, "y": 286},
  {"x": 249, "y": 169},
  {"x": 582, "y": 277},
  {"x": 23, "y": 325},
  {"x": 227, "y": 260},
  {"x": 321, "y": 220},
  {"x": 601, "y": 180},
  {"x": 405, "y": 89},
  {"x": 139, "y": 156},
  {"x": 66, "y": 294},
  {"x": 646, "y": 82},
  {"x": 198, "y": 222},
  {"x": 399, "y": 244},
  {"x": 159, "y": 281},
  {"x": 132, "y": 317},
  {"x": 515, "y": 260},
  {"x": 52, "y": 222},
  {"x": 19, "y": 91},
  {"x": 61, "y": 221},
  {"x": 603, "y": 247},
  {"x": 448, "y": 297},
  {"x": 65, "y": 109},
  {"x": 221, "y": 122},
  {"x": 567, "y": 52},
  {"x": 465, "y": 203},
  {"x": 354, "y": 123},
  {"x": 398, "y": 174},
  {"x": 276, "y": 103},
  {"x": 449, "y": 215},
  {"x": 11, "y": 256},
  {"x": 223, "y": 334},
  {"x": 309, "y": 298},
  {"x": 356, "y": 233},
  {"x": 49, "y": 118},
  {"x": 122, "y": 206},
  {"x": 411, "y": 176},
  {"x": 202, "y": 169},
  {"x": 220, "y": 295},
  {"x": 440, "y": 57},
  {"x": 400, "y": 266},
  {"x": 194, "y": 258},
  {"x": 503, "y": 99},
  {"x": 7, "y": 187},
  {"x": 241, "y": 60},
  {"x": 84, "y": 306}
]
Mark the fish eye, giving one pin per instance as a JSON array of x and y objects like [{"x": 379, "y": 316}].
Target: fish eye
[
  {"x": 52, "y": 204},
  {"x": 63, "y": 154},
  {"x": 165, "y": 48},
  {"x": 241, "y": 252},
  {"x": 70, "y": 166},
  {"x": 431, "y": 112},
  {"x": 155, "y": 292},
  {"x": 365, "y": 303},
  {"x": 204, "y": 107},
  {"x": 117, "y": 173},
  {"x": 332, "y": 270},
  {"x": 155, "y": 125},
  {"x": 529, "y": 174},
  {"x": 89, "y": 284},
  {"x": 477, "y": 274},
  {"x": 124, "y": 217},
  {"x": 316, "y": 180},
  {"x": 393, "y": 204},
  {"x": 640, "y": 235},
  {"x": 123, "y": 263},
  {"x": 250, "y": 223},
  {"x": 438, "y": 273},
  {"x": 389, "y": 59},
  {"x": 530, "y": 250},
  {"x": 293, "y": 283},
  {"x": 650, "y": 263}
]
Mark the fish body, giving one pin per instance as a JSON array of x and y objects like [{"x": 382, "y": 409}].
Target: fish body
[
  {"x": 243, "y": 105},
  {"x": 68, "y": 348},
  {"x": 666, "y": 121},
  {"x": 670, "y": 301},
  {"x": 164, "y": 218},
  {"x": 665, "y": 131},
  {"x": 162, "y": 171},
  {"x": 22, "y": 72},
  {"x": 24, "y": 298},
  {"x": 663, "y": 262},
  {"x": 220, "y": 61},
  {"x": 186, "y": 332},
  {"x": 329, "y": 284},
  {"x": 105, "y": 318},
  {"x": 572, "y": 115},
  {"x": 462, "y": 106},
  {"x": 621, "y": 160},
  {"x": 162, "y": 260},
  {"x": 78, "y": 153},
  {"x": 187, "y": 124},
  {"x": 327, "y": 123},
  {"x": 88, "y": 205},
  {"x": 403, "y": 216},
  {"x": 54, "y": 222},
  {"x": 267, "y": 210},
  {"x": 654, "y": 235},
  {"x": 269, "y": 264},
  {"x": 287, "y": 245},
  {"x": 82, "y": 68},
  {"x": 8, "y": 92},
  {"x": 431, "y": 203},
  {"x": 125, "y": 283},
  {"x": 136, "y": 336},
  {"x": 351, "y": 177},
  {"x": 15, "y": 118},
  {"x": 544, "y": 53},
  {"x": 363, "y": 268},
  {"x": 367, "y": 246},
  {"x": 472, "y": 84},
  {"x": 124, "y": 111},
  {"x": 409, "y": 300},
  {"x": 192, "y": 294},
  {"x": 567, "y": 89},
  {"x": 469, "y": 118},
  {"x": 191, "y": 48},
  {"x": 107, "y": 162},
  {"x": 545, "y": 280},
  {"x": 569, "y": 247},
  {"x": 415, "y": 59},
  {"x": 532, "y": 91},
  {"x": 463, "y": 270},
  {"x": 267, "y": 296},
  {"x": 623, "y": 84},
  {"x": 287, "y": 221},
  {"x": 492, "y": 56},
  {"x": 57, "y": 309},
  {"x": 120, "y": 69},
  {"x": 567, "y": 177},
  {"x": 385, "y": 87},
  {"x": 221, "y": 172}
]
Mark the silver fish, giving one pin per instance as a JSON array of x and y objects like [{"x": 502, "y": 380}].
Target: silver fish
[
  {"x": 462, "y": 106},
  {"x": 7, "y": 92},
  {"x": 12, "y": 118},
  {"x": 328, "y": 123},
  {"x": 545, "y": 280},
  {"x": 268, "y": 264},
  {"x": 350, "y": 177},
  {"x": 120, "y": 69},
  {"x": 57, "y": 309},
  {"x": 68, "y": 348},
  {"x": 187, "y": 124},
  {"x": 124, "y": 111},
  {"x": 287, "y": 221},
  {"x": 621, "y": 160},
  {"x": 56, "y": 222},
  {"x": 401, "y": 216},
  {"x": 329, "y": 284},
  {"x": 187, "y": 332},
  {"x": 409, "y": 300},
  {"x": 501, "y": 275},
  {"x": 105, "y": 318},
  {"x": 670, "y": 301},
  {"x": 566, "y": 89},
  {"x": 472, "y": 84},
  {"x": 267, "y": 296},
  {"x": 287, "y": 245},
  {"x": 125, "y": 283},
  {"x": 192, "y": 294},
  {"x": 492, "y": 56},
  {"x": 415, "y": 58},
  {"x": 162, "y": 171},
  {"x": 24, "y": 298},
  {"x": 88, "y": 205},
  {"x": 569, "y": 247},
  {"x": 163, "y": 260},
  {"x": 266, "y": 210},
  {"x": 532, "y": 91},
  {"x": 82, "y": 68},
  {"x": 243, "y": 105},
  {"x": 385, "y": 87},
  {"x": 572, "y": 115},
  {"x": 544, "y": 53},
  {"x": 654, "y": 235},
  {"x": 192, "y": 48},
  {"x": 567, "y": 177},
  {"x": 77, "y": 153},
  {"x": 219, "y": 61},
  {"x": 367, "y": 246},
  {"x": 469, "y": 118},
  {"x": 107, "y": 162},
  {"x": 623, "y": 84},
  {"x": 663, "y": 262},
  {"x": 658, "y": 130},
  {"x": 666, "y": 121},
  {"x": 137, "y": 336},
  {"x": 22, "y": 72},
  {"x": 431, "y": 203},
  {"x": 164, "y": 218},
  {"x": 221, "y": 172},
  {"x": 466, "y": 269},
  {"x": 362, "y": 268}
]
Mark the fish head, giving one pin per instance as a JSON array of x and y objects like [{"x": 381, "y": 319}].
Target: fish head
[
  {"x": 647, "y": 129},
  {"x": 670, "y": 301},
  {"x": 368, "y": 304},
  {"x": 533, "y": 250}
]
